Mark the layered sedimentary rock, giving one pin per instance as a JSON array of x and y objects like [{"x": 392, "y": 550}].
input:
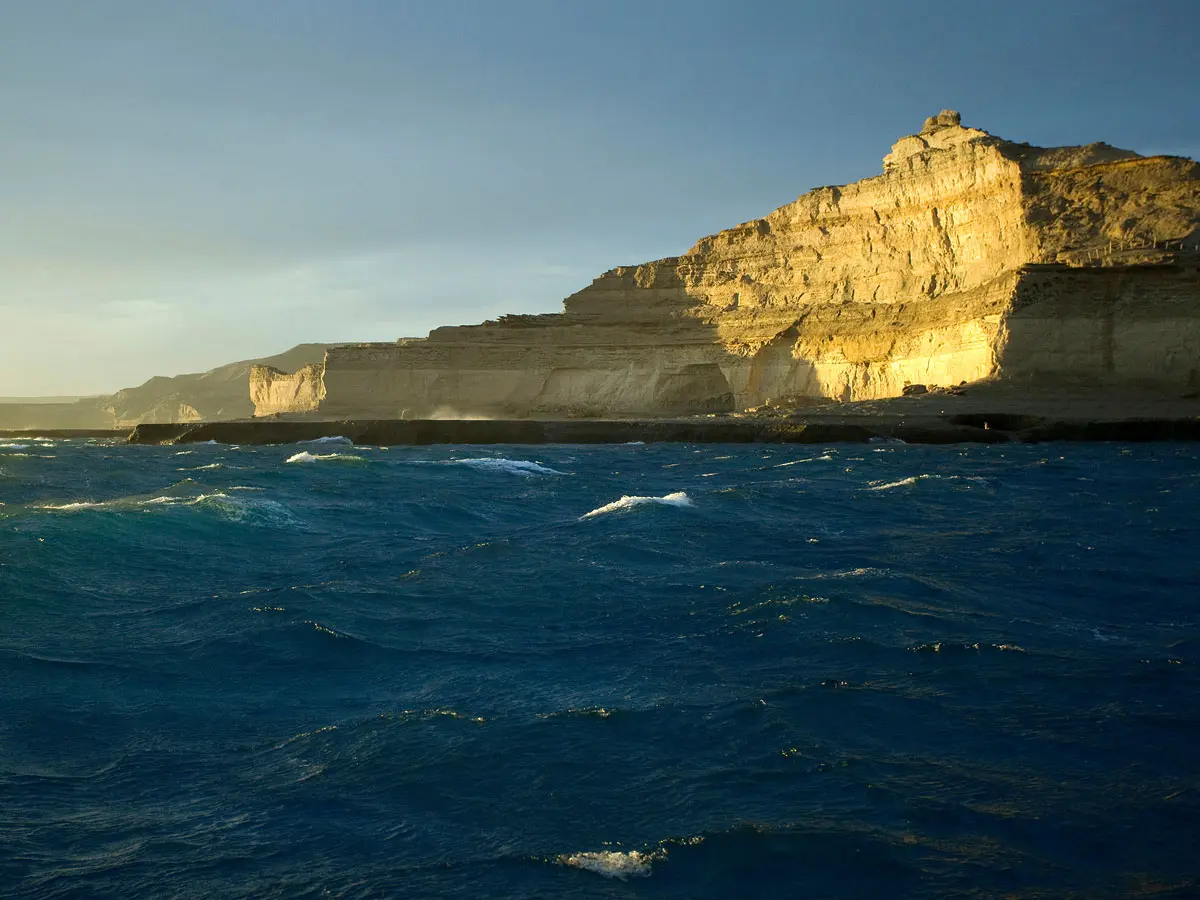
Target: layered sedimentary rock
[
  {"x": 970, "y": 257},
  {"x": 273, "y": 390}
]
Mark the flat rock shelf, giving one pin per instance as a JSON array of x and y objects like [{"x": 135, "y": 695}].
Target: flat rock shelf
[{"x": 951, "y": 429}]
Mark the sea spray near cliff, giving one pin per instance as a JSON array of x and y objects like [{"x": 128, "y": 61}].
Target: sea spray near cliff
[{"x": 426, "y": 675}]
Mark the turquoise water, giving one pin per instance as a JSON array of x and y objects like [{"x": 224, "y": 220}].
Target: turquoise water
[{"x": 626, "y": 671}]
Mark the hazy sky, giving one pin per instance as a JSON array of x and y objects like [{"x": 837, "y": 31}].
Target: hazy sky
[{"x": 183, "y": 184}]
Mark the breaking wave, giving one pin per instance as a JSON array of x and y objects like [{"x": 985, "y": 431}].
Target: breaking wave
[
  {"x": 913, "y": 479},
  {"x": 678, "y": 498},
  {"x": 305, "y": 457},
  {"x": 249, "y": 510},
  {"x": 618, "y": 864},
  {"x": 795, "y": 462},
  {"x": 509, "y": 466},
  {"x": 127, "y": 503},
  {"x": 901, "y": 483},
  {"x": 332, "y": 439}
]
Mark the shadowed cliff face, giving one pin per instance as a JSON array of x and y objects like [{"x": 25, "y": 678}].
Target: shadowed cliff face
[{"x": 848, "y": 293}]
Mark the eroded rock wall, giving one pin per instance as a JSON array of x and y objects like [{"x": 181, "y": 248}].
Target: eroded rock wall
[
  {"x": 274, "y": 391},
  {"x": 1133, "y": 324}
]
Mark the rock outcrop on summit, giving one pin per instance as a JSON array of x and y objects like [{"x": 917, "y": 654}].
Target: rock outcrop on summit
[{"x": 970, "y": 257}]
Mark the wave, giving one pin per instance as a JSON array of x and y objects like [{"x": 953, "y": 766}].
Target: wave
[
  {"x": 913, "y": 479},
  {"x": 127, "y": 503},
  {"x": 332, "y": 439},
  {"x": 613, "y": 863},
  {"x": 256, "y": 511},
  {"x": 596, "y": 712},
  {"x": 797, "y": 462},
  {"x": 895, "y": 484},
  {"x": 248, "y": 510},
  {"x": 947, "y": 647},
  {"x": 14, "y": 446},
  {"x": 215, "y": 465},
  {"x": 851, "y": 573},
  {"x": 509, "y": 466},
  {"x": 678, "y": 498},
  {"x": 305, "y": 457}
]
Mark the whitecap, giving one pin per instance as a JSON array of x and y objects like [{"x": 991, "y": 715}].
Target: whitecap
[
  {"x": 895, "y": 484},
  {"x": 70, "y": 507},
  {"x": 126, "y": 503},
  {"x": 797, "y": 462},
  {"x": 915, "y": 478},
  {"x": 248, "y": 510},
  {"x": 332, "y": 439},
  {"x": 509, "y": 466},
  {"x": 851, "y": 573},
  {"x": 305, "y": 457},
  {"x": 613, "y": 863},
  {"x": 678, "y": 498},
  {"x": 15, "y": 446},
  {"x": 201, "y": 468}
]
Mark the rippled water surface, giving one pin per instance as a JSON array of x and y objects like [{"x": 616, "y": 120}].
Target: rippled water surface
[{"x": 683, "y": 671}]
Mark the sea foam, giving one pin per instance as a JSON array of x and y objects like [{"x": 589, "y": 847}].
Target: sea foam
[
  {"x": 509, "y": 466},
  {"x": 678, "y": 498},
  {"x": 127, "y": 503},
  {"x": 903, "y": 482},
  {"x": 332, "y": 439},
  {"x": 613, "y": 863},
  {"x": 247, "y": 510},
  {"x": 305, "y": 457}
]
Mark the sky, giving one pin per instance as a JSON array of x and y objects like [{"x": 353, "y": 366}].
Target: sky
[{"x": 183, "y": 185}]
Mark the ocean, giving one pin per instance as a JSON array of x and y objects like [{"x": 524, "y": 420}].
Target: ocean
[{"x": 679, "y": 671}]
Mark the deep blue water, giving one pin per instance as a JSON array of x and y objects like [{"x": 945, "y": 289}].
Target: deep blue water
[{"x": 855, "y": 671}]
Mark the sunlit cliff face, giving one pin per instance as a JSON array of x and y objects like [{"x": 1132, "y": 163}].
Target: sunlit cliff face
[{"x": 926, "y": 274}]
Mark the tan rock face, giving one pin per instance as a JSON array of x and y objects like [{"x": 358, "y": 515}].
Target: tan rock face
[
  {"x": 274, "y": 391},
  {"x": 850, "y": 292}
]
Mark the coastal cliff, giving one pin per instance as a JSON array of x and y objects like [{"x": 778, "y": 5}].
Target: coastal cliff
[{"x": 969, "y": 257}]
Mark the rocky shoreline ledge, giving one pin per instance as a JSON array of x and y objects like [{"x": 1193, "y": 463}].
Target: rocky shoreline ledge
[{"x": 816, "y": 429}]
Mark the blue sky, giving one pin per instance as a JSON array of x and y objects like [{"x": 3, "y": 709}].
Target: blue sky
[{"x": 186, "y": 184}]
